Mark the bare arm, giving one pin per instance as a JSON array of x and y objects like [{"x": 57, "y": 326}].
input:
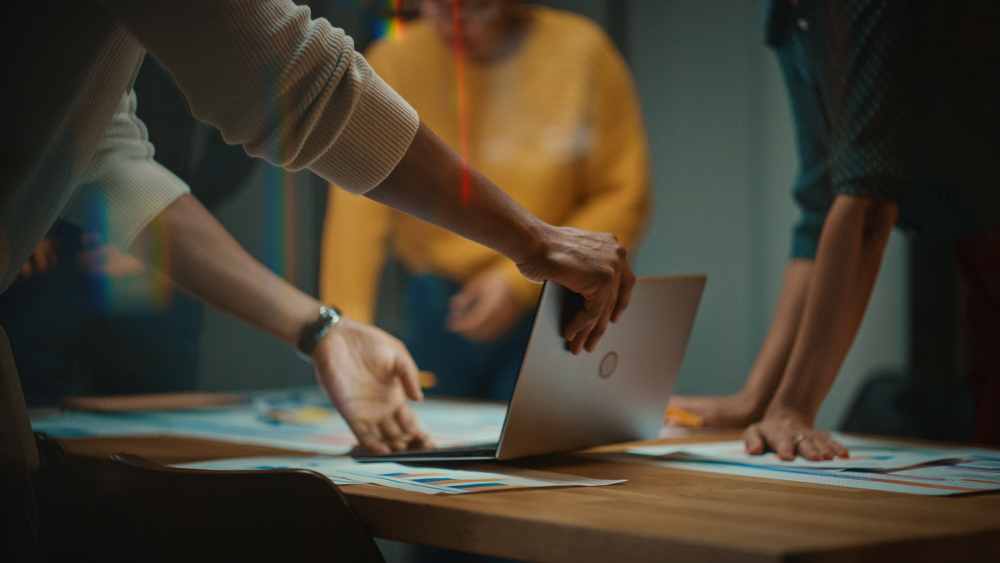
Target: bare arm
[
  {"x": 847, "y": 262},
  {"x": 367, "y": 373},
  {"x": 610, "y": 194},
  {"x": 748, "y": 405},
  {"x": 427, "y": 184},
  {"x": 344, "y": 123}
]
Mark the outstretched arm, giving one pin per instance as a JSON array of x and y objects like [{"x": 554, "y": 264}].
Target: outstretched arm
[
  {"x": 847, "y": 262},
  {"x": 611, "y": 191},
  {"x": 427, "y": 184},
  {"x": 242, "y": 65},
  {"x": 367, "y": 373},
  {"x": 748, "y": 405}
]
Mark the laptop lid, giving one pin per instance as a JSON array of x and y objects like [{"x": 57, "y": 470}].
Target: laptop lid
[{"x": 618, "y": 392}]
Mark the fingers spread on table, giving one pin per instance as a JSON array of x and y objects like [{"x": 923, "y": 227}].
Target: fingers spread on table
[
  {"x": 392, "y": 434},
  {"x": 822, "y": 446},
  {"x": 755, "y": 443},
  {"x": 369, "y": 435},
  {"x": 840, "y": 449},
  {"x": 811, "y": 449},
  {"x": 414, "y": 436},
  {"x": 783, "y": 445}
]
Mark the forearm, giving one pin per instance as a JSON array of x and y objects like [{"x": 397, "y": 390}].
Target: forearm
[
  {"x": 847, "y": 262},
  {"x": 204, "y": 260},
  {"x": 428, "y": 185},
  {"x": 768, "y": 368}
]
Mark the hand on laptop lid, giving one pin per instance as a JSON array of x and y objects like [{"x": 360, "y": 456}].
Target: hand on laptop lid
[{"x": 593, "y": 265}]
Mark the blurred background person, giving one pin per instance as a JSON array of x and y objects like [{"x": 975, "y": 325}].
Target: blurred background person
[{"x": 540, "y": 101}]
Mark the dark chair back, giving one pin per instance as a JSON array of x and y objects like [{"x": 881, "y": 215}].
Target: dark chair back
[
  {"x": 75, "y": 522},
  {"x": 177, "y": 514}
]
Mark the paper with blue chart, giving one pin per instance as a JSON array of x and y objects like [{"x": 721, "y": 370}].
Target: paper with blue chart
[
  {"x": 303, "y": 420},
  {"x": 873, "y": 464},
  {"x": 447, "y": 422},
  {"x": 427, "y": 480}
]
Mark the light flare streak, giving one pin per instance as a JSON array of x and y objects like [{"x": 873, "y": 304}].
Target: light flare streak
[{"x": 463, "y": 130}]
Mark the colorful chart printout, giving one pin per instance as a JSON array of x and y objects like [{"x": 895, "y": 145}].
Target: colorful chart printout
[
  {"x": 288, "y": 419},
  {"x": 427, "y": 480},
  {"x": 873, "y": 464}
]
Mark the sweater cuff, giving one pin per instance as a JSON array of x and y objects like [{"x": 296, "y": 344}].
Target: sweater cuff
[
  {"x": 126, "y": 201},
  {"x": 374, "y": 140}
]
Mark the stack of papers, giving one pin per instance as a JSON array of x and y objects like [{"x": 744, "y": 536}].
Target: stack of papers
[
  {"x": 304, "y": 420},
  {"x": 290, "y": 419},
  {"x": 873, "y": 464},
  {"x": 427, "y": 480}
]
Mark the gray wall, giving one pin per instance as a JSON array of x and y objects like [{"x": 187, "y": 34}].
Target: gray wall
[{"x": 723, "y": 161}]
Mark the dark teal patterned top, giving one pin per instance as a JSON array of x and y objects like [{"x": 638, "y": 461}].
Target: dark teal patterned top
[{"x": 894, "y": 99}]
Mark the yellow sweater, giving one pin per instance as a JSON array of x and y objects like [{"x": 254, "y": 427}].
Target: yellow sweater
[{"x": 556, "y": 124}]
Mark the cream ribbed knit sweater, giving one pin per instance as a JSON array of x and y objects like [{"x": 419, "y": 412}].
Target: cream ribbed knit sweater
[{"x": 289, "y": 89}]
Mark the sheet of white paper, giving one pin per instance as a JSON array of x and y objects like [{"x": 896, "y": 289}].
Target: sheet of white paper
[
  {"x": 428, "y": 480},
  {"x": 866, "y": 454},
  {"x": 459, "y": 423},
  {"x": 871, "y": 481},
  {"x": 86, "y": 425},
  {"x": 449, "y": 423},
  {"x": 432, "y": 480},
  {"x": 931, "y": 480},
  {"x": 874, "y": 464},
  {"x": 243, "y": 425},
  {"x": 975, "y": 472}
]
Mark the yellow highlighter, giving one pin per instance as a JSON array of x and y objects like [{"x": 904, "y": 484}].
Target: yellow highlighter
[
  {"x": 427, "y": 379},
  {"x": 684, "y": 418},
  {"x": 308, "y": 414}
]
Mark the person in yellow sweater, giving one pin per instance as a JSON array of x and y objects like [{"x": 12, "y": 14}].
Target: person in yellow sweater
[{"x": 551, "y": 115}]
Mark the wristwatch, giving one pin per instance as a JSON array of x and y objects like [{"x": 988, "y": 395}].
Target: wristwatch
[{"x": 314, "y": 331}]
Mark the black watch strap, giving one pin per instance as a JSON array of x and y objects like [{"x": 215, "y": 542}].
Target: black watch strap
[{"x": 314, "y": 331}]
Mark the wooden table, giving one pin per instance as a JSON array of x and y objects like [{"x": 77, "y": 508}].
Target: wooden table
[{"x": 658, "y": 515}]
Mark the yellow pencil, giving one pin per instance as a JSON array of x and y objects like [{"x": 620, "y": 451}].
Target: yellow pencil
[
  {"x": 684, "y": 417},
  {"x": 427, "y": 379},
  {"x": 308, "y": 414}
]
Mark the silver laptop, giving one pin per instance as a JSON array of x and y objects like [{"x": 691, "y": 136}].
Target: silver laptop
[{"x": 617, "y": 393}]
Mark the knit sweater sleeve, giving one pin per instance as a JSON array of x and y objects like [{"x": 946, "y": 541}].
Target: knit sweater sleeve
[
  {"x": 290, "y": 89},
  {"x": 123, "y": 188}
]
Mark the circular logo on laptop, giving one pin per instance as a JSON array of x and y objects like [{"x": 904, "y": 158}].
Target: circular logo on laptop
[{"x": 609, "y": 364}]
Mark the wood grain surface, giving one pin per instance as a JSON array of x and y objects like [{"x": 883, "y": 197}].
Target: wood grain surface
[{"x": 660, "y": 514}]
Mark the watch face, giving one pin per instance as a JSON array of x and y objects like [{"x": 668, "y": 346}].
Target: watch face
[{"x": 311, "y": 335}]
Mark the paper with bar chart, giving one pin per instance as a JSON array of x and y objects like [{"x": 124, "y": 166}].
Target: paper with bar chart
[
  {"x": 427, "y": 480},
  {"x": 299, "y": 419},
  {"x": 873, "y": 464}
]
